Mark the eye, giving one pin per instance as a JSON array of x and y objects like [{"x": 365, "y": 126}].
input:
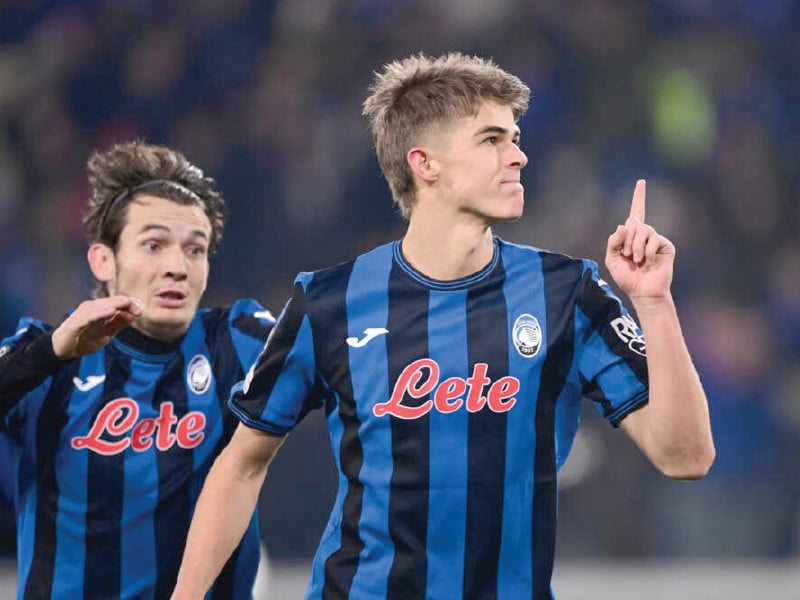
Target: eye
[
  {"x": 197, "y": 250},
  {"x": 151, "y": 245},
  {"x": 492, "y": 140}
]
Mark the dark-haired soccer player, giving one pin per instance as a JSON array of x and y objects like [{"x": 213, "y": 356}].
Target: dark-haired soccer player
[
  {"x": 452, "y": 364},
  {"x": 118, "y": 413}
]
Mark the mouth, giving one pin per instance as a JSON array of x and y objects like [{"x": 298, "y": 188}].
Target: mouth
[{"x": 171, "y": 298}]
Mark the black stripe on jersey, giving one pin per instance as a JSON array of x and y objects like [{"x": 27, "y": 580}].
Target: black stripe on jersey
[
  {"x": 102, "y": 571},
  {"x": 52, "y": 419},
  {"x": 227, "y": 370},
  {"x": 601, "y": 310},
  {"x": 408, "y": 500},
  {"x": 225, "y": 366},
  {"x": 327, "y": 294},
  {"x": 561, "y": 275},
  {"x": 175, "y": 466},
  {"x": 486, "y": 445},
  {"x": 247, "y": 324}
]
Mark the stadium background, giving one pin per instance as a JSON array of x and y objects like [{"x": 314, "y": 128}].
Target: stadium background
[{"x": 701, "y": 97}]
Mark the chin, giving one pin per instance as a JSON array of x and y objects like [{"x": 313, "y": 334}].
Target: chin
[
  {"x": 173, "y": 323},
  {"x": 512, "y": 213}
]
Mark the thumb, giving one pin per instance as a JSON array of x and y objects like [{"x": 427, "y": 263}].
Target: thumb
[{"x": 616, "y": 240}]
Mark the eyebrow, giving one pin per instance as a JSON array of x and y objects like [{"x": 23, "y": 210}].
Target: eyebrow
[
  {"x": 163, "y": 228},
  {"x": 497, "y": 129}
]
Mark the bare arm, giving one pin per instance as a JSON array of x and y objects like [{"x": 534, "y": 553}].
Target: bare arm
[
  {"x": 224, "y": 509},
  {"x": 674, "y": 428}
]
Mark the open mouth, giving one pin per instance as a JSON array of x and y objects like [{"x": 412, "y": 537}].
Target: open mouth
[
  {"x": 171, "y": 299},
  {"x": 171, "y": 295}
]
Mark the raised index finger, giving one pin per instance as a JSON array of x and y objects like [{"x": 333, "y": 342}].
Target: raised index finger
[{"x": 637, "y": 204}]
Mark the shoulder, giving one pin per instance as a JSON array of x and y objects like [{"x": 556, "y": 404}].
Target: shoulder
[
  {"x": 28, "y": 328},
  {"x": 246, "y": 314},
  {"x": 547, "y": 260},
  {"x": 238, "y": 308},
  {"x": 339, "y": 274}
]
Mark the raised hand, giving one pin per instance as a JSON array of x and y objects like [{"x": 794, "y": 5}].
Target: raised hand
[
  {"x": 638, "y": 258},
  {"x": 93, "y": 325}
]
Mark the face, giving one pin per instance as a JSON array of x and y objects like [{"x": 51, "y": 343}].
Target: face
[
  {"x": 479, "y": 163},
  {"x": 162, "y": 259}
]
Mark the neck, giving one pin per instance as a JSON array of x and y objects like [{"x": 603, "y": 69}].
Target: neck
[{"x": 447, "y": 253}]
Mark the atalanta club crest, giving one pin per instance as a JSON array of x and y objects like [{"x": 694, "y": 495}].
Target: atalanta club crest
[
  {"x": 527, "y": 335},
  {"x": 198, "y": 374}
]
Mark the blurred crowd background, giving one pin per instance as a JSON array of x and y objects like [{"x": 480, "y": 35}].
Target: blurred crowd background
[{"x": 700, "y": 97}]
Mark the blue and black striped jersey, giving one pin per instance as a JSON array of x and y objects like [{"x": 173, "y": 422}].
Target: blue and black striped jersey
[
  {"x": 451, "y": 405},
  {"x": 111, "y": 450}
]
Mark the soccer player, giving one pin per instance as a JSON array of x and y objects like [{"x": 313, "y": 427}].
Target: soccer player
[
  {"x": 118, "y": 412},
  {"x": 451, "y": 365}
]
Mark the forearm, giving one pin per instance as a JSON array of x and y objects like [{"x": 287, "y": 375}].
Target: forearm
[
  {"x": 676, "y": 433},
  {"x": 24, "y": 368},
  {"x": 221, "y": 517}
]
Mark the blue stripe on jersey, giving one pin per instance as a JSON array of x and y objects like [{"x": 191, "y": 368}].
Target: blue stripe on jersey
[
  {"x": 524, "y": 293},
  {"x": 38, "y": 566},
  {"x": 368, "y": 307},
  {"x": 408, "y": 499},
  {"x": 487, "y": 343},
  {"x": 136, "y": 544},
  {"x": 105, "y": 480},
  {"x": 447, "y": 335}
]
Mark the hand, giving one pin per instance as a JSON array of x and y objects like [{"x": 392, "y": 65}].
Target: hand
[
  {"x": 94, "y": 324},
  {"x": 638, "y": 258}
]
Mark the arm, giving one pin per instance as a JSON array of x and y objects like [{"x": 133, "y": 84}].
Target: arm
[
  {"x": 224, "y": 509},
  {"x": 673, "y": 429},
  {"x": 37, "y": 354},
  {"x": 25, "y": 364}
]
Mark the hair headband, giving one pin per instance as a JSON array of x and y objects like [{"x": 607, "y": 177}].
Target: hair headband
[{"x": 127, "y": 192}]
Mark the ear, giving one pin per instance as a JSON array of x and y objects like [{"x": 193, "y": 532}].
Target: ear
[
  {"x": 101, "y": 262},
  {"x": 422, "y": 164}
]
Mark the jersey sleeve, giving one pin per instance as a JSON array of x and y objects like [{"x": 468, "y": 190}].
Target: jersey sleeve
[
  {"x": 250, "y": 324},
  {"x": 27, "y": 361},
  {"x": 279, "y": 388},
  {"x": 611, "y": 354}
]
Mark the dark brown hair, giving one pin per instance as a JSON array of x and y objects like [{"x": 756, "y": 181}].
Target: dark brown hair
[{"x": 127, "y": 169}]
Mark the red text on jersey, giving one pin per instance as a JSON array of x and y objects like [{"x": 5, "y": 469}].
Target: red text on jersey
[
  {"x": 447, "y": 396},
  {"x": 120, "y": 417}
]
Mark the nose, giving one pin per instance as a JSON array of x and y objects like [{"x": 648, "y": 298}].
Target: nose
[
  {"x": 175, "y": 264},
  {"x": 518, "y": 158}
]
